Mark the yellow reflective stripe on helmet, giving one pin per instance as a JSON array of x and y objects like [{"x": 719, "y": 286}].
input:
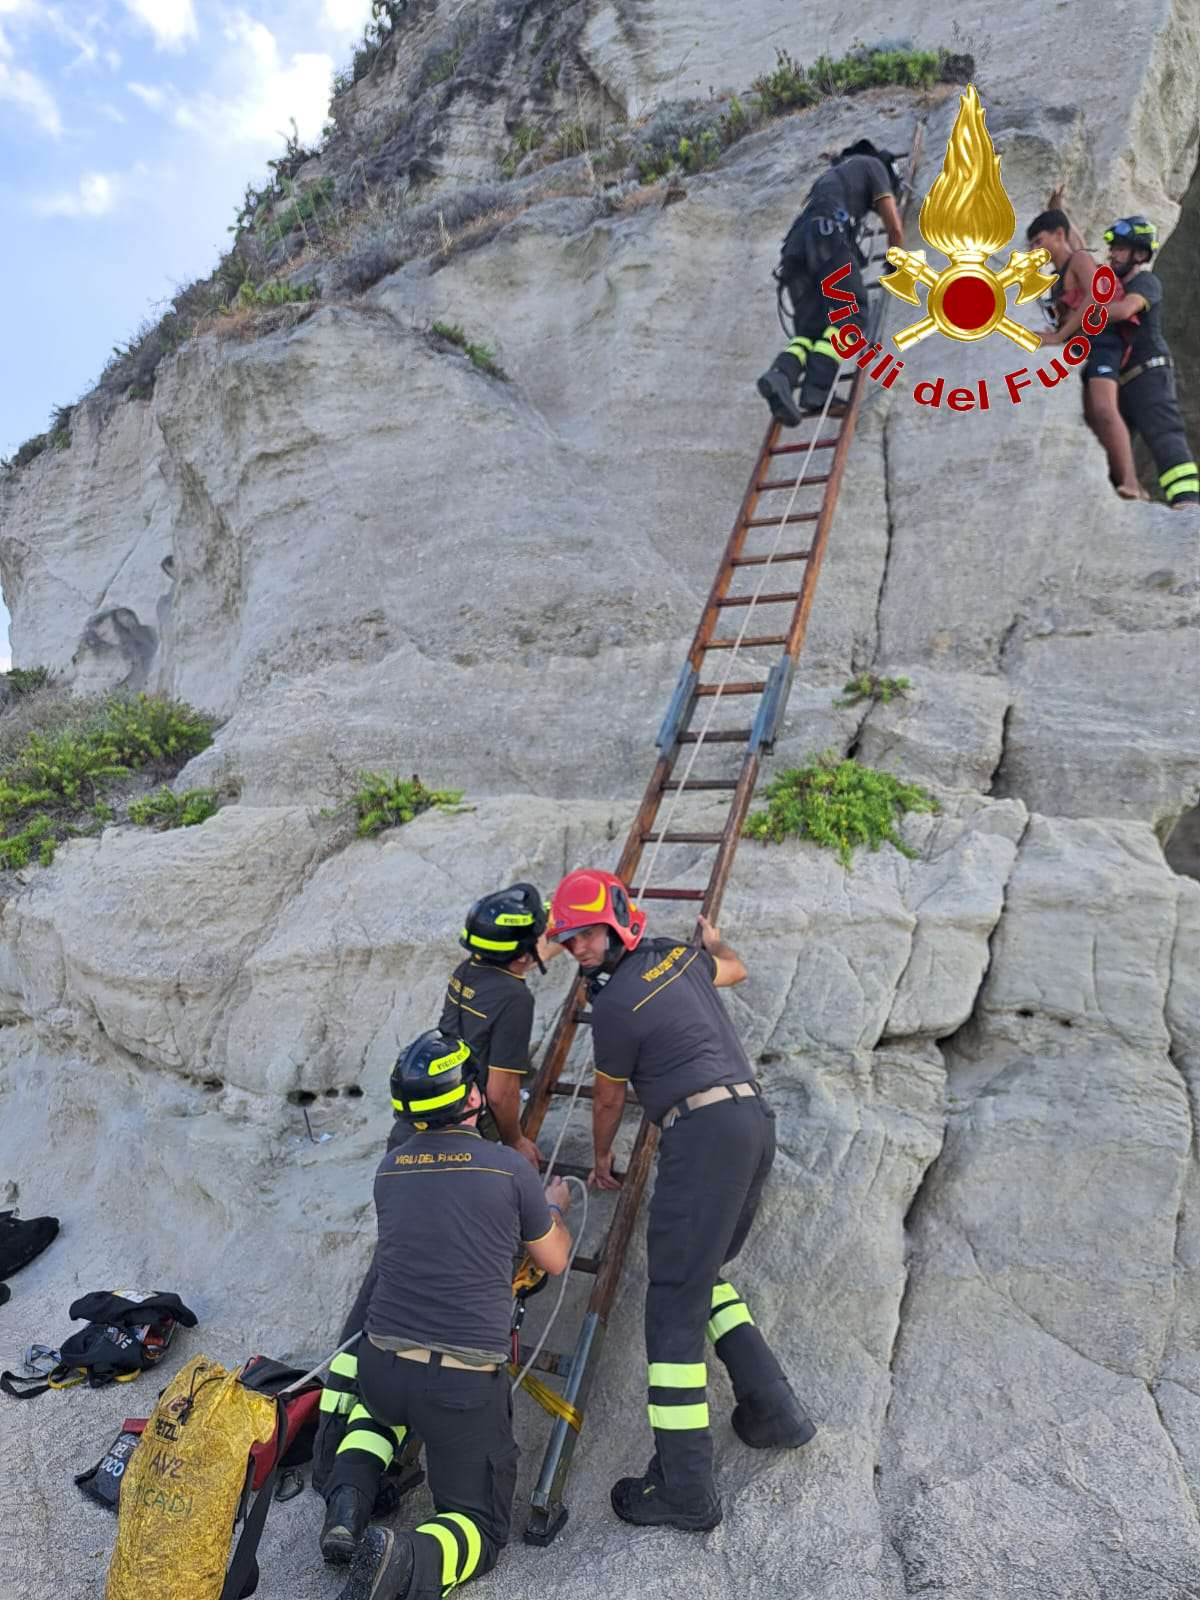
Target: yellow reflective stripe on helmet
[
  {"x": 722, "y": 1293},
  {"x": 677, "y": 1375},
  {"x": 344, "y": 1365},
  {"x": 513, "y": 919},
  {"x": 490, "y": 944},
  {"x": 454, "y": 1059},
  {"x": 596, "y": 904},
  {"x": 449, "y": 1545},
  {"x": 1185, "y": 469},
  {"x": 674, "y": 1418},
  {"x": 723, "y": 1321},
  {"x": 438, "y": 1100},
  {"x": 474, "y": 1541}
]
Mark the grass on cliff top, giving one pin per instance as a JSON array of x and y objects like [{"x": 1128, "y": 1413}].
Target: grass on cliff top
[
  {"x": 61, "y": 758},
  {"x": 371, "y": 231},
  {"x": 839, "y": 804}
]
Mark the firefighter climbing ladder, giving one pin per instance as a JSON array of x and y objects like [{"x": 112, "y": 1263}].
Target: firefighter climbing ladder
[{"x": 691, "y": 724}]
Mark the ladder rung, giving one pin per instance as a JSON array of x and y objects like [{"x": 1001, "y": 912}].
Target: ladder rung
[
  {"x": 721, "y": 736},
  {"x": 568, "y": 1169},
  {"x": 759, "y": 599},
  {"x": 792, "y": 483},
  {"x": 586, "y": 1264},
  {"x": 548, "y": 1360},
  {"x": 585, "y": 1089},
  {"x": 701, "y": 783},
  {"x": 684, "y": 838},
  {"x": 747, "y": 644},
  {"x": 672, "y": 894},
  {"x": 809, "y": 444},
  {"x": 707, "y": 690},
  {"x": 769, "y": 561},
  {"x": 773, "y": 522}
]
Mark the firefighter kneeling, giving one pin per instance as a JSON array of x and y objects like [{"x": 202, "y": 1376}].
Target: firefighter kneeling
[
  {"x": 658, "y": 1023},
  {"x": 436, "y": 1335}
]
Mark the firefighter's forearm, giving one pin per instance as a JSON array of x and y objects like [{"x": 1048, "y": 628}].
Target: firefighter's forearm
[
  {"x": 608, "y": 1102},
  {"x": 504, "y": 1102}
]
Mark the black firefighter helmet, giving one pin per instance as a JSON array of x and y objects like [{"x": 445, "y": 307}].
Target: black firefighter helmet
[
  {"x": 504, "y": 925},
  {"x": 864, "y": 147},
  {"x": 432, "y": 1081}
]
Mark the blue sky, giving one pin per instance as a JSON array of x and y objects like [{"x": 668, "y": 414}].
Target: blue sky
[{"x": 128, "y": 131}]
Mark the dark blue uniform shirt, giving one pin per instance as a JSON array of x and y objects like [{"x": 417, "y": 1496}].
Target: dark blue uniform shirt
[{"x": 660, "y": 1024}]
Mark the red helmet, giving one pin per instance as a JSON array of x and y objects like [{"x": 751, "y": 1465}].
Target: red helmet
[{"x": 589, "y": 897}]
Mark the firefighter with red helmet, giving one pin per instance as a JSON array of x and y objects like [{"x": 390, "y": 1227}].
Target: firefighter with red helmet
[{"x": 659, "y": 1025}]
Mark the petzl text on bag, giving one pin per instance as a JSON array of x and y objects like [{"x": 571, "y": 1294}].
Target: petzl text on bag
[{"x": 181, "y": 1489}]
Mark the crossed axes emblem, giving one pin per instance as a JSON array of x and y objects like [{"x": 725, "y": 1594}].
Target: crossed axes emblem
[{"x": 967, "y": 300}]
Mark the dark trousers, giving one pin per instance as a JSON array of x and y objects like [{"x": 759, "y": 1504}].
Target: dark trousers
[
  {"x": 465, "y": 1420},
  {"x": 1150, "y": 406},
  {"x": 810, "y": 358},
  {"x": 712, "y": 1166}
]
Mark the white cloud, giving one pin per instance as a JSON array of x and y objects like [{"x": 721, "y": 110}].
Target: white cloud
[
  {"x": 154, "y": 98},
  {"x": 172, "y": 22},
  {"x": 267, "y": 91},
  {"x": 26, "y": 91},
  {"x": 94, "y": 195},
  {"x": 346, "y": 16}
]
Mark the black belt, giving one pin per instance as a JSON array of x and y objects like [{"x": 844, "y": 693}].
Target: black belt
[{"x": 1145, "y": 366}]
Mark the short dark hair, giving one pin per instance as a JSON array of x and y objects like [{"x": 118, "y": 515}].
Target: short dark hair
[{"x": 1048, "y": 222}]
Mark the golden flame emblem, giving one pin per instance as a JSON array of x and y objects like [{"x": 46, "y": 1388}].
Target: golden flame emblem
[{"x": 968, "y": 216}]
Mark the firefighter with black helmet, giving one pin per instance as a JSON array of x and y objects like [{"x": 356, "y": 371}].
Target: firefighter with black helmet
[
  {"x": 489, "y": 1007},
  {"x": 824, "y": 237},
  {"x": 452, "y": 1212},
  {"x": 488, "y": 1004},
  {"x": 1148, "y": 399},
  {"x": 658, "y": 1024}
]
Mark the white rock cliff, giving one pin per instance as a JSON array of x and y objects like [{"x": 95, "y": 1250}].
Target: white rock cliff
[{"x": 978, "y": 1255}]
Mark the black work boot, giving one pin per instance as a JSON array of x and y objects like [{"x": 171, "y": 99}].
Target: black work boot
[
  {"x": 777, "y": 392},
  {"x": 644, "y": 1501},
  {"x": 347, "y": 1514},
  {"x": 383, "y": 1566},
  {"x": 21, "y": 1240},
  {"x": 772, "y": 1419}
]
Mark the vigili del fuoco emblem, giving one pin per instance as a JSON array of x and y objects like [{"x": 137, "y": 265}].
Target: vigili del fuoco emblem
[{"x": 968, "y": 216}]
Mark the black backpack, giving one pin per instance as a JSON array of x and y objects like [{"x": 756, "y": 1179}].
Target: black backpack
[{"x": 126, "y": 1334}]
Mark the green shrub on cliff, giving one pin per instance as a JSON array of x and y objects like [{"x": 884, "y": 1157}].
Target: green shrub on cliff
[
  {"x": 53, "y": 776},
  {"x": 839, "y": 804},
  {"x": 166, "y": 809},
  {"x": 388, "y": 802}
]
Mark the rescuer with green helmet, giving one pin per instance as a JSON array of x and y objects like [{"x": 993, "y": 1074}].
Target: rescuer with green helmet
[
  {"x": 1148, "y": 401},
  {"x": 453, "y": 1211}
]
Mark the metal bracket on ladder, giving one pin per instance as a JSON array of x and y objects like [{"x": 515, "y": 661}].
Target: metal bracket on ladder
[
  {"x": 679, "y": 710},
  {"x": 772, "y": 705}
]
